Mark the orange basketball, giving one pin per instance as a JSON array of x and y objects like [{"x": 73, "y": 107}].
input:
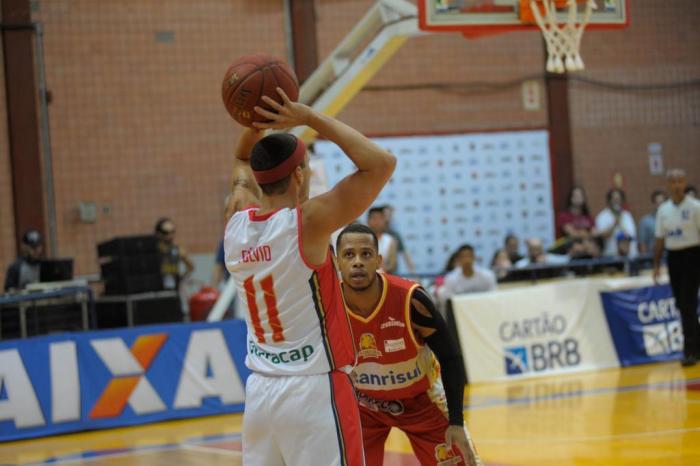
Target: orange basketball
[{"x": 249, "y": 78}]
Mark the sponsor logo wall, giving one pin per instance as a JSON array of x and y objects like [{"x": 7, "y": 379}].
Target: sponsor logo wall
[
  {"x": 91, "y": 380},
  {"x": 448, "y": 190}
]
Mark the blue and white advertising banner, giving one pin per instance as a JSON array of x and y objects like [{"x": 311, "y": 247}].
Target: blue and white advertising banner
[
  {"x": 460, "y": 188},
  {"x": 533, "y": 331},
  {"x": 93, "y": 380},
  {"x": 644, "y": 323}
]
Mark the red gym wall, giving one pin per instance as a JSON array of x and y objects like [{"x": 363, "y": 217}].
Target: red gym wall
[{"x": 137, "y": 125}]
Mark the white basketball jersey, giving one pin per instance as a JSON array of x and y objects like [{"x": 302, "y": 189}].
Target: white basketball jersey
[{"x": 294, "y": 312}]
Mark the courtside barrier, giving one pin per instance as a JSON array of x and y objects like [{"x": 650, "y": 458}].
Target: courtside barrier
[
  {"x": 539, "y": 330},
  {"x": 94, "y": 380},
  {"x": 566, "y": 326},
  {"x": 645, "y": 324}
]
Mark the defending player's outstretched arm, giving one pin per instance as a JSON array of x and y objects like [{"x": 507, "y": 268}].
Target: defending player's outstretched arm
[{"x": 429, "y": 324}]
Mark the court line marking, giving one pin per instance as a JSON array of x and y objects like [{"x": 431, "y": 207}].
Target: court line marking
[
  {"x": 590, "y": 438},
  {"x": 85, "y": 457},
  {"x": 218, "y": 451},
  {"x": 110, "y": 453},
  {"x": 675, "y": 384}
]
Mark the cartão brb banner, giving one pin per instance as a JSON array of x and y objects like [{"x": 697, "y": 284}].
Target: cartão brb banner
[
  {"x": 92, "y": 380},
  {"x": 645, "y": 324}
]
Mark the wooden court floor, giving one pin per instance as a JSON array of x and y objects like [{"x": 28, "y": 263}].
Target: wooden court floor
[{"x": 645, "y": 415}]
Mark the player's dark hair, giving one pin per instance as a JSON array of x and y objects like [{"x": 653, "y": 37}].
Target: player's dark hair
[
  {"x": 509, "y": 236},
  {"x": 357, "y": 228},
  {"x": 268, "y": 153}
]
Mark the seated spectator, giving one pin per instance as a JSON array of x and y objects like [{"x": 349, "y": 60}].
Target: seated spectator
[
  {"x": 587, "y": 248},
  {"x": 466, "y": 277},
  {"x": 25, "y": 269},
  {"x": 575, "y": 223},
  {"x": 614, "y": 219},
  {"x": 536, "y": 255},
  {"x": 624, "y": 243},
  {"x": 512, "y": 246},
  {"x": 388, "y": 246},
  {"x": 509, "y": 253},
  {"x": 647, "y": 225},
  {"x": 172, "y": 255},
  {"x": 440, "y": 279},
  {"x": 691, "y": 191},
  {"x": 501, "y": 263}
]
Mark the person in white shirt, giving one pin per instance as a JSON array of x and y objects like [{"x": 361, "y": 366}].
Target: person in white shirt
[
  {"x": 388, "y": 246},
  {"x": 537, "y": 255},
  {"x": 466, "y": 277},
  {"x": 678, "y": 231},
  {"x": 613, "y": 220}
]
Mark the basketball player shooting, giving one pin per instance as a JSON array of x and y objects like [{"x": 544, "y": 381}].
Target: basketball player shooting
[
  {"x": 300, "y": 405},
  {"x": 397, "y": 377}
]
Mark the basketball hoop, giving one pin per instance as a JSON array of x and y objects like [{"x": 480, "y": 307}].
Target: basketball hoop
[{"x": 563, "y": 39}]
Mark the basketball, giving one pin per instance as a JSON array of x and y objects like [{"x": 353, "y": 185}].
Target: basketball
[{"x": 249, "y": 78}]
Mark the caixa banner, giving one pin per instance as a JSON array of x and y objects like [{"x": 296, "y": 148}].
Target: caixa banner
[
  {"x": 93, "y": 380},
  {"x": 644, "y": 323}
]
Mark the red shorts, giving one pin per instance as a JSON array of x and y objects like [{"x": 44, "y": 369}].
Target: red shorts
[{"x": 419, "y": 418}]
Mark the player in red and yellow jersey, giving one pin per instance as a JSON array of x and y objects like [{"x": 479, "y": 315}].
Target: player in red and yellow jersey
[{"x": 399, "y": 335}]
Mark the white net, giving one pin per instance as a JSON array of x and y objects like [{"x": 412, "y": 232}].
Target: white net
[{"x": 563, "y": 39}]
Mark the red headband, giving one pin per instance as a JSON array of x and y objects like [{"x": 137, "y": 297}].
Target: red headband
[{"x": 284, "y": 169}]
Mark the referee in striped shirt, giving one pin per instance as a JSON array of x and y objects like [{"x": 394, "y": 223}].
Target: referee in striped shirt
[{"x": 678, "y": 231}]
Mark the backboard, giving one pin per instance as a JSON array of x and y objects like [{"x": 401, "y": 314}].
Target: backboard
[{"x": 481, "y": 17}]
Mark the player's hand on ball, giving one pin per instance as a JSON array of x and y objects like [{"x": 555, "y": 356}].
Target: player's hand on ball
[
  {"x": 456, "y": 436},
  {"x": 285, "y": 116}
]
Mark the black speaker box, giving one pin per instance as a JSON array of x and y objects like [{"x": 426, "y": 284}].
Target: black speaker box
[
  {"x": 128, "y": 246},
  {"x": 132, "y": 284},
  {"x": 147, "y": 264},
  {"x": 149, "y": 311}
]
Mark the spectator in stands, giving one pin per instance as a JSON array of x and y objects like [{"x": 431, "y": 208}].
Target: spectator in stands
[
  {"x": 400, "y": 248},
  {"x": 500, "y": 263},
  {"x": 575, "y": 222},
  {"x": 536, "y": 254},
  {"x": 25, "y": 269},
  {"x": 587, "y": 248},
  {"x": 512, "y": 247},
  {"x": 647, "y": 225},
  {"x": 614, "y": 219},
  {"x": 388, "y": 246},
  {"x": 624, "y": 243},
  {"x": 691, "y": 191},
  {"x": 466, "y": 277},
  {"x": 172, "y": 256}
]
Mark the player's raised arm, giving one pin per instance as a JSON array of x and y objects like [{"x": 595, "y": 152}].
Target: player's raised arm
[
  {"x": 355, "y": 193},
  {"x": 244, "y": 190},
  {"x": 347, "y": 200}
]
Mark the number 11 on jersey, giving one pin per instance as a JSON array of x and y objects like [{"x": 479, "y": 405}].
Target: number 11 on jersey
[{"x": 273, "y": 318}]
